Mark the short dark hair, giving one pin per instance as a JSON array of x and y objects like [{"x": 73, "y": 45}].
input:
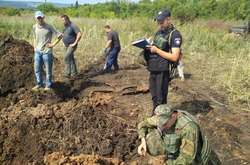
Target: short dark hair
[
  {"x": 65, "y": 17},
  {"x": 107, "y": 27}
]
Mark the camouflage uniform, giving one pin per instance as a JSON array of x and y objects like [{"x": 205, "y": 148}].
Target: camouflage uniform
[{"x": 183, "y": 144}]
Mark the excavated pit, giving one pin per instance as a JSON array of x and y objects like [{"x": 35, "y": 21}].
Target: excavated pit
[{"x": 93, "y": 119}]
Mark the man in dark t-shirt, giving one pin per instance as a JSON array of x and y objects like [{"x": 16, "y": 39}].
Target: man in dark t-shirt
[
  {"x": 112, "y": 49},
  {"x": 71, "y": 37}
]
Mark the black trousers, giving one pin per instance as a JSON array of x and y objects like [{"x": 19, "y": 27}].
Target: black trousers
[{"x": 158, "y": 86}]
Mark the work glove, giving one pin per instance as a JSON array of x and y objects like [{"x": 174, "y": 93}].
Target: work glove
[{"x": 142, "y": 149}]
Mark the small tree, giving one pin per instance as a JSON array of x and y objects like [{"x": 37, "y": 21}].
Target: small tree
[
  {"x": 47, "y": 7},
  {"x": 76, "y": 4}
]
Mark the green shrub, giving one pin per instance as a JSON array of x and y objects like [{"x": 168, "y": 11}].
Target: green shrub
[
  {"x": 185, "y": 10},
  {"x": 47, "y": 7},
  {"x": 10, "y": 11}
]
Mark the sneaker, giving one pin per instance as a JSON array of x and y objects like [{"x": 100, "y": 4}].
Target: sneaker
[
  {"x": 36, "y": 88},
  {"x": 47, "y": 89},
  {"x": 106, "y": 71}
]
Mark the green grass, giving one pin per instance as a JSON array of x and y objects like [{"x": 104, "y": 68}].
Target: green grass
[
  {"x": 221, "y": 58},
  {"x": 211, "y": 54}
]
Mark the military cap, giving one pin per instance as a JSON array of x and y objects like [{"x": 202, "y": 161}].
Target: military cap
[
  {"x": 161, "y": 15},
  {"x": 163, "y": 109}
]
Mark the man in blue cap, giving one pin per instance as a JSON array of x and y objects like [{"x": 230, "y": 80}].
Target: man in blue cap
[
  {"x": 43, "y": 45},
  {"x": 166, "y": 49}
]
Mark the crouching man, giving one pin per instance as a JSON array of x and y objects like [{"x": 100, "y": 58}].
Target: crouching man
[{"x": 176, "y": 135}]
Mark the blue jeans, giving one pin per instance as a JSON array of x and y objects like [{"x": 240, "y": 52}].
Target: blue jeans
[
  {"x": 45, "y": 59},
  {"x": 112, "y": 59}
]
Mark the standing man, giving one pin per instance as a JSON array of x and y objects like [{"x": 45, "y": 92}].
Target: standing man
[
  {"x": 71, "y": 37},
  {"x": 159, "y": 56},
  {"x": 177, "y": 135},
  {"x": 43, "y": 34},
  {"x": 112, "y": 49}
]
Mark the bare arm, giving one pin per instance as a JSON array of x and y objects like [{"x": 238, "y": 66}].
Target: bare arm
[
  {"x": 34, "y": 36},
  {"x": 174, "y": 56},
  {"x": 108, "y": 44},
  {"x": 54, "y": 43},
  {"x": 175, "y": 53},
  {"x": 58, "y": 37},
  {"x": 78, "y": 38},
  {"x": 34, "y": 44}
]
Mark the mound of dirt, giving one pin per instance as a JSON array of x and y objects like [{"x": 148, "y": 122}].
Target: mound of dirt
[
  {"x": 26, "y": 136},
  {"x": 16, "y": 66}
]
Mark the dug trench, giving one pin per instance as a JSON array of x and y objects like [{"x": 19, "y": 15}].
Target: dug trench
[{"x": 93, "y": 119}]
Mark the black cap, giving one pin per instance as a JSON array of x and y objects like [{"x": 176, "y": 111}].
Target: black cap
[{"x": 161, "y": 15}]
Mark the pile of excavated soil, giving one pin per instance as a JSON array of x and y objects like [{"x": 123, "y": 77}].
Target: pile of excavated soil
[
  {"x": 27, "y": 135},
  {"x": 16, "y": 66},
  {"x": 93, "y": 119}
]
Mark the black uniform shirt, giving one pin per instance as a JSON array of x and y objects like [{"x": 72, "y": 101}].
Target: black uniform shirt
[
  {"x": 114, "y": 37},
  {"x": 175, "y": 41},
  {"x": 156, "y": 62}
]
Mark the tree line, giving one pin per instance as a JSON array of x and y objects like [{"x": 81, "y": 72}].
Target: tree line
[{"x": 185, "y": 10}]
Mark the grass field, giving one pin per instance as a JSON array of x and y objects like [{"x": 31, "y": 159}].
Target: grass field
[{"x": 210, "y": 53}]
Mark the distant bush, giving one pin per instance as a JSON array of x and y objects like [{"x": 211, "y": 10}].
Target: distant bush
[
  {"x": 186, "y": 13},
  {"x": 47, "y": 7},
  {"x": 185, "y": 10},
  {"x": 10, "y": 11}
]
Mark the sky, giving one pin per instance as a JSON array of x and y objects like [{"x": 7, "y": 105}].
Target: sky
[{"x": 65, "y": 1}]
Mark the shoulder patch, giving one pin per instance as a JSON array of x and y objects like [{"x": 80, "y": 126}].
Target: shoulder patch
[{"x": 177, "y": 41}]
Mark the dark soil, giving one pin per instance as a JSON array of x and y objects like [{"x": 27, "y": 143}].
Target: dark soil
[
  {"x": 93, "y": 118},
  {"x": 16, "y": 67},
  {"x": 31, "y": 135}
]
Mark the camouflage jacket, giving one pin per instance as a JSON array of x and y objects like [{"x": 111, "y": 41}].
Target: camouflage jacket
[{"x": 185, "y": 141}]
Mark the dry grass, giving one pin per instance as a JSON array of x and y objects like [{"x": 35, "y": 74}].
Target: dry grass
[{"x": 211, "y": 53}]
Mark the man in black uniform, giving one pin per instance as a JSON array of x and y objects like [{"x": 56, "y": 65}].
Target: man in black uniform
[{"x": 159, "y": 56}]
